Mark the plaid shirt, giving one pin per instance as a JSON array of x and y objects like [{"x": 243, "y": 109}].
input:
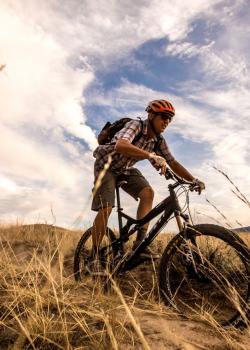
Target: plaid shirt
[{"x": 120, "y": 163}]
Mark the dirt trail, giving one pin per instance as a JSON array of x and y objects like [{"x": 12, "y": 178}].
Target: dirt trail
[{"x": 178, "y": 334}]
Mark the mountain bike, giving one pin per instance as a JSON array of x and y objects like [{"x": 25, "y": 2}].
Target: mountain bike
[{"x": 204, "y": 269}]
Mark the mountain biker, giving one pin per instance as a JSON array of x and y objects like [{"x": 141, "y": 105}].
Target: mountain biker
[{"x": 152, "y": 146}]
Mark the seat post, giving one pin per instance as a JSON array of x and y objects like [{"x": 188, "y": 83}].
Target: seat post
[
  {"x": 119, "y": 209},
  {"x": 118, "y": 196}
]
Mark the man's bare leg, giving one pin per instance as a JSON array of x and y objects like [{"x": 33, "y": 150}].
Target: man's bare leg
[
  {"x": 146, "y": 203},
  {"x": 100, "y": 226},
  {"x": 94, "y": 267}
]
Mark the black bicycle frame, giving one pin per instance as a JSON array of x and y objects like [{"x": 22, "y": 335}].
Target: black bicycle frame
[{"x": 168, "y": 206}]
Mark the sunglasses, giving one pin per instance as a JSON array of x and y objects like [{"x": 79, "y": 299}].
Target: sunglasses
[{"x": 165, "y": 116}]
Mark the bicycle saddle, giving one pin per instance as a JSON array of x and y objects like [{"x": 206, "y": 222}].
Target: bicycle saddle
[{"x": 121, "y": 180}]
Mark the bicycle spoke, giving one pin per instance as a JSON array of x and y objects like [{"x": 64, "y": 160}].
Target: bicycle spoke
[{"x": 207, "y": 277}]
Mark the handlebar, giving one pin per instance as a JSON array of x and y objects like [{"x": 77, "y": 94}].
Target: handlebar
[
  {"x": 179, "y": 180},
  {"x": 171, "y": 175}
]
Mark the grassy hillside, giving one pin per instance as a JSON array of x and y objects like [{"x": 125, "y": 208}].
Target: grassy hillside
[{"x": 42, "y": 307}]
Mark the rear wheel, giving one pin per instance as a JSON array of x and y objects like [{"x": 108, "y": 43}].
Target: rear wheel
[
  {"x": 84, "y": 249},
  {"x": 207, "y": 275}
]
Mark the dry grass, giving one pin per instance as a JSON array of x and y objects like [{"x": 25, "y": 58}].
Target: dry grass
[{"x": 42, "y": 307}]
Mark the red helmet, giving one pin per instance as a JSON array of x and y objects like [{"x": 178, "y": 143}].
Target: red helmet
[{"x": 161, "y": 106}]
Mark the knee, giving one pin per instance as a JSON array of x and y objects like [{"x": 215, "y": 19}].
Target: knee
[{"x": 147, "y": 194}]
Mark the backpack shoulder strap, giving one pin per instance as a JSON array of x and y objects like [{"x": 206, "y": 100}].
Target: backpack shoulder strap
[
  {"x": 138, "y": 136},
  {"x": 157, "y": 143}
]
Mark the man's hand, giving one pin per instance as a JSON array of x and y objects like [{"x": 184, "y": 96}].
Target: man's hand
[
  {"x": 198, "y": 185},
  {"x": 159, "y": 163}
]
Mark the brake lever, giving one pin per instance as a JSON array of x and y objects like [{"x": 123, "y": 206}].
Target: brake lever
[
  {"x": 194, "y": 188},
  {"x": 169, "y": 175}
]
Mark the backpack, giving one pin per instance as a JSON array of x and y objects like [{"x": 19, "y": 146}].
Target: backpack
[{"x": 110, "y": 129}]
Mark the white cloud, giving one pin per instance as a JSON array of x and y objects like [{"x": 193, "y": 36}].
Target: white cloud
[
  {"x": 7, "y": 185},
  {"x": 187, "y": 49},
  {"x": 224, "y": 58},
  {"x": 41, "y": 100},
  {"x": 51, "y": 50}
]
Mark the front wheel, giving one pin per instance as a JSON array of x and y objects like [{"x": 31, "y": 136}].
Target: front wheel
[
  {"x": 207, "y": 274},
  {"x": 84, "y": 249}
]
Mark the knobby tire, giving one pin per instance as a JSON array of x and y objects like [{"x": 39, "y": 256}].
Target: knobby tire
[{"x": 83, "y": 252}]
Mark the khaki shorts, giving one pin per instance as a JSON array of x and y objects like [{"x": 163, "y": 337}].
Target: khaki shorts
[{"x": 105, "y": 195}]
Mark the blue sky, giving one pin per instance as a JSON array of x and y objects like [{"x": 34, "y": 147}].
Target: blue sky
[{"x": 71, "y": 66}]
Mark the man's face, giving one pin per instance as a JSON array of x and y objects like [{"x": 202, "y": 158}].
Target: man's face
[{"x": 160, "y": 120}]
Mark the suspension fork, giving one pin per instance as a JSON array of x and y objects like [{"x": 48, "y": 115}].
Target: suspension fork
[
  {"x": 179, "y": 220},
  {"x": 183, "y": 221},
  {"x": 193, "y": 256}
]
